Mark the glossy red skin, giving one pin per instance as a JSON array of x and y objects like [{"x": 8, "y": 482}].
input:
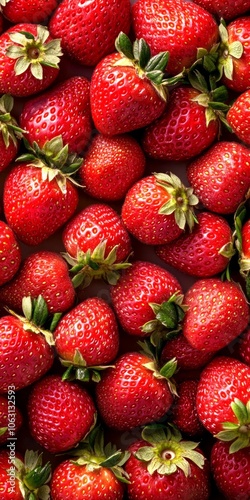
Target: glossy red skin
[
  {"x": 231, "y": 471},
  {"x": 10, "y": 253},
  {"x": 36, "y": 208},
  {"x": 90, "y": 485},
  {"x": 88, "y": 31},
  {"x": 245, "y": 235},
  {"x": 221, "y": 381},
  {"x": 25, "y": 356},
  {"x": 91, "y": 328},
  {"x": 63, "y": 110},
  {"x": 18, "y": 11},
  {"x": 111, "y": 166},
  {"x": 25, "y": 84},
  {"x": 41, "y": 273},
  {"x": 91, "y": 226},
  {"x": 197, "y": 253},
  {"x": 129, "y": 395},
  {"x": 181, "y": 132},
  {"x": 160, "y": 486},
  {"x": 220, "y": 177},
  {"x": 140, "y": 213},
  {"x": 239, "y": 31},
  {"x": 121, "y": 101},
  {"x": 60, "y": 413},
  {"x": 217, "y": 313},
  {"x": 183, "y": 411},
  {"x": 10, "y": 416},
  {"x": 188, "y": 357},
  {"x": 8, "y": 490},
  {"x": 225, "y": 8},
  {"x": 8, "y": 154},
  {"x": 238, "y": 117},
  {"x": 244, "y": 347},
  {"x": 179, "y": 27},
  {"x": 142, "y": 283}
]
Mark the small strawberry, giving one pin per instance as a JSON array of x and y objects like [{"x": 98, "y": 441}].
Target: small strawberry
[
  {"x": 17, "y": 11},
  {"x": 204, "y": 252},
  {"x": 187, "y": 357},
  {"x": 29, "y": 59},
  {"x": 179, "y": 27},
  {"x": 10, "y": 253},
  {"x": 183, "y": 411},
  {"x": 238, "y": 117},
  {"x": 41, "y": 273},
  {"x": 164, "y": 465},
  {"x": 63, "y": 110},
  {"x": 157, "y": 208},
  {"x": 10, "y": 132},
  {"x": 220, "y": 177},
  {"x": 244, "y": 347},
  {"x": 217, "y": 312},
  {"x": 11, "y": 418},
  {"x": 60, "y": 413},
  {"x": 111, "y": 166},
  {"x": 226, "y": 10}
]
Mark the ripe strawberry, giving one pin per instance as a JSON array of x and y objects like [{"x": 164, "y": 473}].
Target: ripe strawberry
[
  {"x": 111, "y": 166},
  {"x": 41, "y": 273},
  {"x": 10, "y": 253},
  {"x": 87, "y": 336},
  {"x": 60, "y": 413},
  {"x": 126, "y": 89},
  {"x": 140, "y": 286},
  {"x": 10, "y": 132},
  {"x": 226, "y": 10},
  {"x": 9, "y": 484},
  {"x": 96, "y": 243},
  {"x": 244, "y": 347},
  {"x": 95, "y": 28},
  {"x": 63, "y": 110},
  {"x": 204, "y": 252},
  {"x": 238, "y": 117},
  {"x": 39, "y": 196},
  {"x": 217, "y": 312},
  {"x": 163, "y": 465},
  {"x": 17, "y": 11},
  {"x": 183, "y": 411},
  {"x": 157, "y": 208},
  {"x": 220, "y": 177},
  {"x": 231, "y": 471},
  {"x": 187, "y": 356},
  {"x": 179, "y": 27},
  {"x": 11, "y": 418},
  {"x": 243, "y": 247},
  {"x": 29, "y": 59}
]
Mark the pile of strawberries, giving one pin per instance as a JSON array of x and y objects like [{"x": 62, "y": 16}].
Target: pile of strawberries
[{"x": 124, "y": 249}]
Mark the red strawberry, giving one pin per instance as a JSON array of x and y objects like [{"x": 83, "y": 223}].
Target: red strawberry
[
  {"x": 126, "y": 90},
  {"x": 11, "y": 418},
  {"x": 238, "y": 117},
  {"x": 244, "y": 347},
  {"x": 111, "y": 166},
  {"x": 9, "y": 484},
  {"x": 10, "y": 132},
  {"x": 217, "y": 312},
  {"x": 95, "y": 28},
  {"x": 179, "y": 27},
  {"x": 243, "y": 246},
  {"x": 183, "y": 411},
  {"x": 204, "y": 252},
  {"x": 220, "y": 177},
  {"x": 29, "y": 59},
  {"x": 187, "y": 356},
  {"x": 17, "y": 11},
  {"x": 63, "y": 110},
  {"x": 157, "y": 208},
  {"x": 231, "y": 471},
  {"x": 10, "y": 253},
  {"x": 60, "y": 413},
  {"x": 41, "y": 273},
  {"x": 163, "y": 465},
  {"x": 226, "y": 10},
  {"x": 140, "y": 286}
]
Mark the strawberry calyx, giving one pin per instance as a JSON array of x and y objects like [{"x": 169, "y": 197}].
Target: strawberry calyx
[
  {"x": 77, "y": 369},
  {"x": 3, "y": 3},
  {"x": 166, "y": 371},
  {"x": 33, "y": 52},
  {"x": 8, "y": 125},
  {"x": 94, "y": 265},
  {"x": 227, "y": 52},
  {"x": 238, "y": 433},
  {"x": 33, "y": 476},
  {"x": 167, "y": 451}
]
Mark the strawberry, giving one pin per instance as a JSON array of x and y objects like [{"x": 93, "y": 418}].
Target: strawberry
[
  {"x": 11, "y": 418},
  {"x": 28, "y": 12},
  {"x": 126, "y": 88},
  {"x": 244, "y": 347},
  {"x": 164, "y": 465},
  {"x": 231, "y": 471},
  {"x": 39, "y": 196},
  {"x": 87, "y": 336},
  {"x": 95, "y": 28},
  {"x": 243, "y": 247},
  {"x": 179, "y": 27},
  {"x": 60, "y": 413},
  {"x": 157, "y": 208},
  {"x": 10, "y": 253},
  {"x": 238, "y": 117},
  {"x": 41, "y": 273},
  {"x": 217, "y": 312},
  {"x": 220, "y": 177},
  {"x": 204, "y": 252},
  {"x": 9, "y": 483},
  {"x": 96, "y": 243},
  {"x": 187, "y": 356},
  {"x": 183, "y": 411},
  {"x": 111, "y": 166},
  {"x": 226, "y": 10},
  {"x": 63, "y": 110},
  {"x": 10, "y": 132},
  {"x": 29, "y": 59},
  {"x": 142, "y": 286}
]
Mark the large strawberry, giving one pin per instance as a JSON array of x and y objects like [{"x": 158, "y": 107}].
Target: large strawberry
[
  {"x": 28, "y": 11},
  {"x": 179, "y": 27},
  {"x": 225, "y": 9},
  {"x": 238, "y": 117},
  {"x": 10, "y": 253},
  {"x": 29, "y": 59},
  {"x": 63, "y": 110},
  {"x": 10, "y": 132}
]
